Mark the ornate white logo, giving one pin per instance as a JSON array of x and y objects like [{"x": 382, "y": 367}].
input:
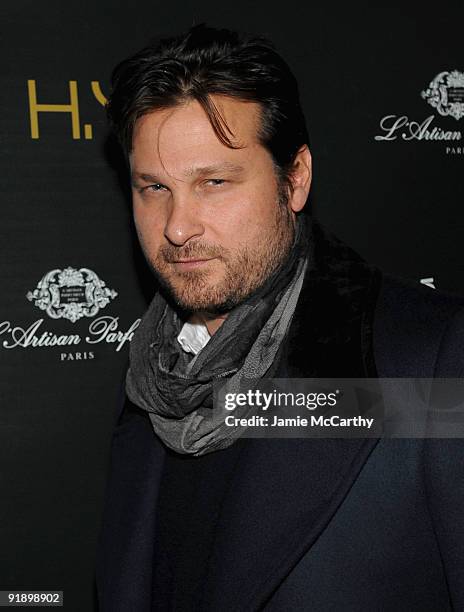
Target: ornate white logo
[
  {"x": 446, "y": 93},
  {"x": 71, "y": 294}
]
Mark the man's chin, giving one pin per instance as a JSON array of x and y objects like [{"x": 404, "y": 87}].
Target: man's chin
[
  {"x": 193, "y": 295},
  {"x": 195, "y": 299},
  {"x": 199, "y": 302}
]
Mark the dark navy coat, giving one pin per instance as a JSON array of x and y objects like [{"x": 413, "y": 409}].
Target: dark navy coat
[{"x": 317, "y": 524}]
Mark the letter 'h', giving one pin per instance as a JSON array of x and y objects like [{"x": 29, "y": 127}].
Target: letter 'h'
[{"x": 35, "y": 109}]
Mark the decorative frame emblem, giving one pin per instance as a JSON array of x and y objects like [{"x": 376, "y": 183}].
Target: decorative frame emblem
[
  {"x": 446, "y": 93},
  {"x": 71, "y": 294}
]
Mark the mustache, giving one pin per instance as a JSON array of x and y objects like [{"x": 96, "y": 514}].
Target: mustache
[{"x": 198, "y": 250}]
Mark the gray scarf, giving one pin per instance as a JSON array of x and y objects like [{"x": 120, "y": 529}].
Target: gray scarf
[{"x": 177, "y": 391}]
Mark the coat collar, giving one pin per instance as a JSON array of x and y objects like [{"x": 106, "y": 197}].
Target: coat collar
[{"x": 331, "y": 331}]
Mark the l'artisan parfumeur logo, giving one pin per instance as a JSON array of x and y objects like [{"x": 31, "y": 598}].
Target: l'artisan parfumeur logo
[
  {"x": 445, "y": 93},
  {"x": 73, "y": 295}
]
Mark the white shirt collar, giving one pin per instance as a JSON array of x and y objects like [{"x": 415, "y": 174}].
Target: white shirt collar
[{"x": 193, "y": 337}]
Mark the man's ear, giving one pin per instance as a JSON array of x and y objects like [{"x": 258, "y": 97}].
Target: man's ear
[{"x": 301, "y": 178}]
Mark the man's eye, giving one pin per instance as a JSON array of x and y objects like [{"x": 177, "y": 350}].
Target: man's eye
[
  {"x": 216, "y": 182},
  {"x": 155, "y": 187}
]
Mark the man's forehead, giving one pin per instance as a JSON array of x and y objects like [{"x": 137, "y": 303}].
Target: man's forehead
[
  {"x": 188, "y": 124},
  {"x": 182, "y": 140}
]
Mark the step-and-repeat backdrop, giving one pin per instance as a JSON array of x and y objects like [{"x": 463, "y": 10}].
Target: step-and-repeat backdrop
[{"x": 383, "y": 93}]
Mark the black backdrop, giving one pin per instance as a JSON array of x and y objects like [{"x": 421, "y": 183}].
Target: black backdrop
[{"x": 64, "y": 213}]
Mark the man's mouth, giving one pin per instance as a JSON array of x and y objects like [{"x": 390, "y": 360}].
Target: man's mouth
[{"x": 187, "y": 264}]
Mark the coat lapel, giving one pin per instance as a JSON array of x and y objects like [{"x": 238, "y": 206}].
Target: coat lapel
[
  {"x": 285, "y": 491},
  {"x": 283, "y": 495}
]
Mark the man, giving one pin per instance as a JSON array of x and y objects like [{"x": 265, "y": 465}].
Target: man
[{"x": 250, "y": 285}]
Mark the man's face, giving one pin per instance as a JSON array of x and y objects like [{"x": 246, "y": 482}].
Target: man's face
[{"x": 208, "y": 217}]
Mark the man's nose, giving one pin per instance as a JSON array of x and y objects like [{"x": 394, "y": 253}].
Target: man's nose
[{"x": 183, "y": 221}]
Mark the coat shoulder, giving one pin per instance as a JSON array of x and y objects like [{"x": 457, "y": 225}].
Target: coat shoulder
[{"x": 418, "y": 331}]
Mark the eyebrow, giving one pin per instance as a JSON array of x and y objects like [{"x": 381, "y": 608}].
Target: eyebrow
[{"x": 229, "y": 167}]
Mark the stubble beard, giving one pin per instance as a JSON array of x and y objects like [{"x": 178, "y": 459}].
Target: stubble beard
[{"x": 245, "y": 271}]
